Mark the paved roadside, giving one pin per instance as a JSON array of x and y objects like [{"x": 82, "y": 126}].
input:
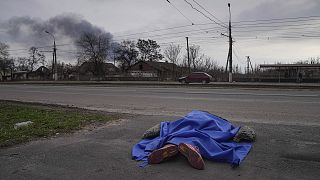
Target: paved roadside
[
  {"x": 280, "y": 152},
  {"x": 175, "y": 84}
]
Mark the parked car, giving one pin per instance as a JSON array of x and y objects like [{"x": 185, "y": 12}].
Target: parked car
[{"x": 199, "y": 77}]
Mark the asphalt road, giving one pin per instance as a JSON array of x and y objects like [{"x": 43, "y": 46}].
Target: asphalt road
[
  {"x": 286, "y": 121},
  {"x": 272, "y": 106}
]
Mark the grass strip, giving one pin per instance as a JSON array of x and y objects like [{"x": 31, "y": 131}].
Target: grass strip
[{"x": 47, "y": 121}]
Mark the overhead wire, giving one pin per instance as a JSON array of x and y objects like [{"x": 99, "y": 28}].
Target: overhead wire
[
  {"x": 276, "y": 19},
  {"x": 168, "y": 35},
  {"x": 39, "y": 47},
  {"x": 201, "y": 24},
  {"x": 204, "y": 14},
  {"x": 180, "y": 12},
  {"x": 208, "y": 12},
  {"x": 278, "y": 29}
]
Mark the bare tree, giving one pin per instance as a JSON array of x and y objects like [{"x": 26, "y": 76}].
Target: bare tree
[
  {"x": 149, "y": 50},
  {"x": 35, "y": 58},
  {"x": 5, "y": 62},
  {"x": 206, "y": 64},
  {"x": 172, "y": 54},
  {"x": 126, "y": 53},
  {"x": 22, "y": 64},
  {"x": 4, "y": 51},
  {"x": 94, "y": 49},
  {"x": 195, "y": 56}
]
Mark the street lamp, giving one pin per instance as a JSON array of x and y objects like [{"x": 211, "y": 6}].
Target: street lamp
[{"x": 54, "y": 59}]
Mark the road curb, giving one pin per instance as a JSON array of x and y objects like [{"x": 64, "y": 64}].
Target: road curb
[{"x": 168, "y": 84}]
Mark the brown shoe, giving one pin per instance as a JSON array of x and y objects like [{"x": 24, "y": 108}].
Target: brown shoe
[
  {"x": 159, "y": 155},
  {"x": 193, "y": 155}
]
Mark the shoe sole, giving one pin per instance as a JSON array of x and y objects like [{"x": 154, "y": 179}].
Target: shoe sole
[
  {"x": 192, "y": 155},
  {"x": 162, "y": 154}
]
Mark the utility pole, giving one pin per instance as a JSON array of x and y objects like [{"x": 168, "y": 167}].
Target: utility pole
[
  {"x": 230, "y": 47},
  {"x": 52, "y": 69},
  {"x": 249, "y": 64},
  {"x": 248, "y": 61},
  {"x": 188, "y": 54},
  {"x": 33, "y": 57},
  {"x": 54, "y": 60}
]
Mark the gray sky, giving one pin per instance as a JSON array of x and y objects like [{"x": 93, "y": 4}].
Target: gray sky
[{"x": 266, "y": 42}]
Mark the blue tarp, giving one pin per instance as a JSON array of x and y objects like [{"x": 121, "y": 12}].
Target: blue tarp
[{"x": 212, "y": 134}]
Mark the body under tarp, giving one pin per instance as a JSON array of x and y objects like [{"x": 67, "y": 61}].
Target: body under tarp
[{"x": 211, "y": 134}]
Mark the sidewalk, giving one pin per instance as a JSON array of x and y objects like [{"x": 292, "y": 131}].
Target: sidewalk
[
  {"x": 280, "y": 152},
  {"x": 176, "y": 84}
]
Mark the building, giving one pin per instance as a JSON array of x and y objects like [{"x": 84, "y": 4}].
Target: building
[
  {"x": 20, "y": 75},
  {"x": 153, "y": 70},
  {"x": 87, "y": 71},
  {"x": 42, "y": 73},
  {"x": 290, "y": 73}
]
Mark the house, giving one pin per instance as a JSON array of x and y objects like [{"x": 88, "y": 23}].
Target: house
[
  {"x": 87, "y": 70},
  {"x": 42, "y": 73},
  {"x": 151, "y": 69},
  {"x": 20, "y": 75}
]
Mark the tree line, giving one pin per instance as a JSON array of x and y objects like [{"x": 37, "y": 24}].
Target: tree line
[{"x": 100, "y": 48}]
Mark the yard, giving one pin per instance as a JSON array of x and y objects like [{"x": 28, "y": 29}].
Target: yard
[{"x": 47, "y": 121}]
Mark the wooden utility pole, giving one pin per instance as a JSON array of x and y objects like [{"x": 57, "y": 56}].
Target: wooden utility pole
[
  {"x": 188, "y": 55},
  {"x": 52, "y": 69},
  {"x": 55, "y": 61},
  {"x": 54, "y": 58},
  {"x": 230, "y": 47},
  {"x": 248, "y": 60}
]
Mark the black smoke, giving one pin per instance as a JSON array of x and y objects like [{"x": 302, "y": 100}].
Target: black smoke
[{"x": 28, "y": 31}]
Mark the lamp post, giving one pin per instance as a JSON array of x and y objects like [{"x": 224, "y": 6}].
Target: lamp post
[{"x": 54, "y": 59}]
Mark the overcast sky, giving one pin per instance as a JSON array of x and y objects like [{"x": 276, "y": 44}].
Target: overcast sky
[{"x": 285, "y": 41}]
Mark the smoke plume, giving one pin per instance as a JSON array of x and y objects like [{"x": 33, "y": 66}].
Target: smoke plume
[{"x": 27, "y": 31}]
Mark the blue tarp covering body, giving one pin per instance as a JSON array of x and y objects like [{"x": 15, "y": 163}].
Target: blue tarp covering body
[{"x": 212, "y": 134}]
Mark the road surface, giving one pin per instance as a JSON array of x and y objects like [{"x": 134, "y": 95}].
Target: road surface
[
  {"x": 286, "y": 122},
  {"x": 272, "y": 106}
]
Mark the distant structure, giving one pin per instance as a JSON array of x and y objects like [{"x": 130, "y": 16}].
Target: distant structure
[
  {"x": 153, "y": 70},
  {"x": 41, "y": 74},
  {"x": 308, "y": 73},
  {"x": 86, "y": 71}
]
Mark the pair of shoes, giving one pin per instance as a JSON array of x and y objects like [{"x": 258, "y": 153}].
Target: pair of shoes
[
  {"x": 191, "y": 152},
  {"x": 193, "y": 155},
  {"x": 159, "y": 155}
]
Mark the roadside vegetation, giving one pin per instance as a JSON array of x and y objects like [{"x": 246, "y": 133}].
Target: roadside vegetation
[{"x": 47, "y": 121}]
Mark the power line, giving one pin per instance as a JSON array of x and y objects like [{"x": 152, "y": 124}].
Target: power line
[
  {"x": 276, "y": 22},
  {"x": 208, "y": 12},
  {"x": 39, "y": 47},
  {"x": 236, "y": 52},
  {"x": 202, "y": 24},
  {"x": 204, "y": 14},
  {"x": 175, "y": 33},
  {"x": 180, "y": 12},
  {"x": 238, "y": 22},
  {"x": 277, "y": 19},
  {"x": 276, "y": 29},
  {"x": 287, "y": 25},
  {"x": 157, "y": 30},
  {"x": 236, "y": 55}
]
